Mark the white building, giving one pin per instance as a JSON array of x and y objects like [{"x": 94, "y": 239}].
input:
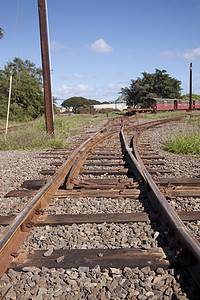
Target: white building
[{"x": 120, "y": 106}]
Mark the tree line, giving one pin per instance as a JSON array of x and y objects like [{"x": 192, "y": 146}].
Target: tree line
[
  {"x": 152, "y": 85},
  {"x": 27, "y": 92},
  {"x": 27, "y": 101},
  {"x": 1, "y": 33},
  {"x": 27, "y": 89},
  {"x": 76, "y": 102}
]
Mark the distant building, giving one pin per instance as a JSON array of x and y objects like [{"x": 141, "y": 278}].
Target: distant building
[
  {"x": 119, "y": 106},
  {"x": 62, "y": 109}
]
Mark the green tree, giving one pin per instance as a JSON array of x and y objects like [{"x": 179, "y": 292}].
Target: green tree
[
  {"x": 120, "y": 99},
  {"x": 76, "y": 102},
  {"x": 158, "y": 84},
  {"x": 27, "y": 95},
  {"x": 1, "y": 33},
  {"x": 194, "y": 96}
]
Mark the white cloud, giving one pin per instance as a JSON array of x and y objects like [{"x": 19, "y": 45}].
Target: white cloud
[
  {"x": 116, "y": 86},
  {"x": 55, "y": 45},
  {"x": 188, "y": 54},
  {"x": 169, "y": 54},
  {"x": 77, "y": 76},
  {"x": 120, "y": 73},
  {"x": 100, "y": 46},
  {"x": 72, "y": 76},
  {"x": 130, "y": 56},
  {"x": 69, "y": 91},
  {"x": 192, "y": 54},
  {"x": 110, "y": 92},
  {"x": 70, "y": 53}
]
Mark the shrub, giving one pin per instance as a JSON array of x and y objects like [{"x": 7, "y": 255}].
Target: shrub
[{"x": 184, "y": 144}]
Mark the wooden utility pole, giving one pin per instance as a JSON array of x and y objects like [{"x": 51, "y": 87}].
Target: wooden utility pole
[
  {"x": 46, "y": 67},
  {"x": 190, "y": 102}
]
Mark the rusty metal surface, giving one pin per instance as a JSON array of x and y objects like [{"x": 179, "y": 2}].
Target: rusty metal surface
[
  {"x": 80, "y": 161},
  {"x": 20, "y": 227},
  {"x": 22, "y": 224},
  {"x": 183, "y": 235}
]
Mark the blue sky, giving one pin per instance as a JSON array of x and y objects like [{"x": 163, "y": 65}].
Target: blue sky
[{"x": 97, "y": 47}]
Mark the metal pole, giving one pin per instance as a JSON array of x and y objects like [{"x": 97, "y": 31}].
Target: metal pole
[
  {"x": 8, "y": 111},
  {"x": 46, "y": 67},
  {"x": 190, "y": 102}
]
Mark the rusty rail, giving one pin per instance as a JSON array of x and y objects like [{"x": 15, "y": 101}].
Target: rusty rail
[
  {"x": 188, "y": 243},
  {"x": 22, "y": 224},
  {"x": 20, "y": 227}
]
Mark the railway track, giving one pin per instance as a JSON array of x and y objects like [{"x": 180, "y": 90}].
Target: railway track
[
  {"x": 98, "y": 220},
  {"x": 12, "y": 128}
]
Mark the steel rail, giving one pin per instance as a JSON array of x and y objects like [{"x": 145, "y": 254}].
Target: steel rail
[
  {"x": 80, "y": 161},
  {"x": 154, "y": 122},
  {"x": 21, "y": 226},
  {"x": 76, "y": 167},
  {"x": 24, "y": 221},
  {"x": 184, "y": 236}
]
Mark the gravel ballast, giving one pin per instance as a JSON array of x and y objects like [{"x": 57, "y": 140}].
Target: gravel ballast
[{"x": 94, "y": 283}]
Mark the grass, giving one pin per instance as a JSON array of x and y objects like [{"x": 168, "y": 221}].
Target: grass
[
  {"x": 28, "y": 139},
  {"x": 11, "y": 124},
  {"x": 188, "y": 139},
  {"x": 185, "y": 143},
  {"x": 195, "y": 122},
  {"x": 34, "y": 137}
]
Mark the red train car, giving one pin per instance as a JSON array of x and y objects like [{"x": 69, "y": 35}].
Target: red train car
[
  {"x": 181, "y": 104},
  {"x": 196, "y": 104},
  {"x": 163, "y": 104},
  {"x": 159, "y": 104}
]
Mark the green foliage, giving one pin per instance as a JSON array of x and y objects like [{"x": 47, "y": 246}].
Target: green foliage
[
  {"x": 195, "y": 122},
  {"x": 27, "y": 96},
  {"x": 33, "y": 136},
  {"x": 78, "y": 101},
  {"x": 184, "y": 144},
  {"x": 121, "y": 99},
  {"x": 194, "y": 96},
  {"x": 158, "y": 84},
  {"x": 28, "y": 139},
  {"x": 1, "y": 33}
]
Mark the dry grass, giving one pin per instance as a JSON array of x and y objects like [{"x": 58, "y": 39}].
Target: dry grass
[{"x": 34, "y": 137}]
